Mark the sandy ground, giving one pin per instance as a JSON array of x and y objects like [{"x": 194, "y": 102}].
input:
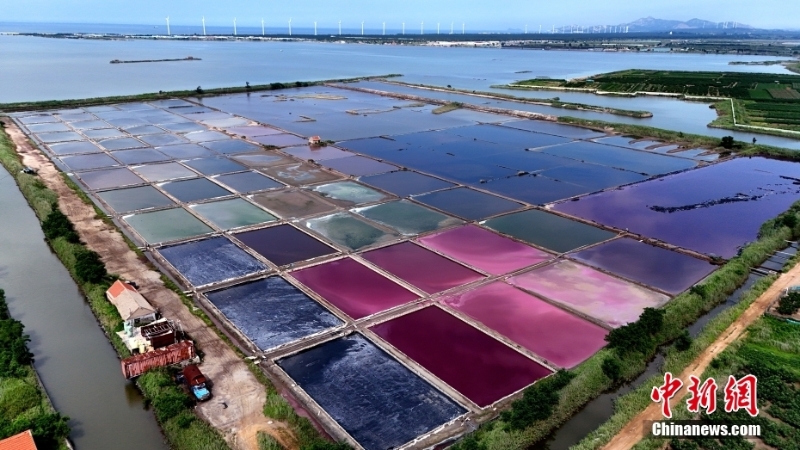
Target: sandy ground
[
  {"x": 633, "y": 432},
  {"x": 233, "y": 383}
]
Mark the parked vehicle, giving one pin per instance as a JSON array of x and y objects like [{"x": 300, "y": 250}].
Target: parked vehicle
[{"x": 197, "y": 382}]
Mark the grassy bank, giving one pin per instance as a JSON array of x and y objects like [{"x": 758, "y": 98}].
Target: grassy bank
[
  {"x": 199, "y": 92},
  {"x": 452, "y": 106},
  {"x": 554, "y": 102},
  {"x": 71, "y": 252},
  {"x": 23, "y": 403},
  {"x": 590, "y": 379}
]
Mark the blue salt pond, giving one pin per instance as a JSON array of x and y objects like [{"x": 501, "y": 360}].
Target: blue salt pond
[
  {"x": 245, "y": 182},
  {"x": 405, "y": 182},
  {"x": 548, "y": 230},
  {"x": 214, "y": 166},
  {"x": 166, "y": 225},
  {"x": 194, "y": 190},
  {"x": 632, "y": 160},
  {"x": 394, "y": 406},
  {"x": 184, "y": 151},
  {"x": 714, "y": 209},
  {"x": 468, "y": 203},
  {"x": 211, "y": 260},
  {"x": 132, "y": 199},
  {"x": 272, "y": 312},
  {"x": 140, "y": 156}
]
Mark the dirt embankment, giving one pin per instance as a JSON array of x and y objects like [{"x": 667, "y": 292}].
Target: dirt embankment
[
  {"x": 234, "y": 384},
  {"x": 633, "y": 432}
]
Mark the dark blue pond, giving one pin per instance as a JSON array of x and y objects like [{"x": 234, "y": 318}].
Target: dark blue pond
[
  {"x": 372, "y": 396},
  {"x": 211, "y": 260},
  {"x": 272, "y": 312},
  {"x": 404, "y": 183},
  {"x": 467, "y": 203}
]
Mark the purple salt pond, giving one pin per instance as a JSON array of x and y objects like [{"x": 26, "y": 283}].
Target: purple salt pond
[
  {"x": 421, "y": 267},
  {"x": 484, "y": 249},
  {"x": 475, "y": 364},
  {"x": 590, "y": 292},
  {"x": 316, "y": 153},
  {"x": 279, "y": 140},
  {"x": 353, "y": 287},
  {"x": 358, "y": 165},
  {"x": 714, "y": 209},
  {"x": 666, "y": 270},
  {"x": 557, "y": 336}
]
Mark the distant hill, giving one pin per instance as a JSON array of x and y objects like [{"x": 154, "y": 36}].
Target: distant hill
[{"x": 651, "y": 24}]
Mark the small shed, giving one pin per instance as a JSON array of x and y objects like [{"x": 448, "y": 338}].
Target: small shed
[
  {"x": 22, "y": 441},
  {"x": 314, "y": 140},
  {"x": 132, "y": 306}
]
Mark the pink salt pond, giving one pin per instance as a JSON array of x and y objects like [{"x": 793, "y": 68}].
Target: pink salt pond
[
  {"x": 590, "y": 292},
  {"x": 421, "y": 267},
  {"x": 559, "y": 337},
  {"x": 354, "y": 288},
  {"x": 484, "y": 249},
  {"x": 472, "y": 362}
]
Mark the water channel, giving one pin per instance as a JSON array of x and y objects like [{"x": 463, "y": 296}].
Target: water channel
[{"x": 75, "y": 361}]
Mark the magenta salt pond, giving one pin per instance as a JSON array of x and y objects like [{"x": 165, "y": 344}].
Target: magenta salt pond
[
  {"x": 590, "y": 292},
  {"x": 557, "y": 336},
  {"x": 354, "y": 288},
  {"x": 484, "y": 249},
  {"x": 669, "y": 271},
  {"x": 421, "y": 267},
  {"x": 475, "y": 364}
]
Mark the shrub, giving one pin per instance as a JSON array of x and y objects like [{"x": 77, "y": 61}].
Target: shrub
[
  {"x": 789, "y": 303},
  {"x": 276, "y": 407},
  {"x": 637, "y": 336},
  {"x": 537, "y": 401},
  {"x": 267, "y": 442},
  {"x": 612, "y": 367},
  {"x": 171, "y": 402},
  {"x": 14, "y": 354},
  {"x": 16, "y": 397},
  {"x": 727, "y": 142},
  {"x": 683, "y": 342},
  {"x": 89, "y": 268},
  {"x": 58, "y": 225}
]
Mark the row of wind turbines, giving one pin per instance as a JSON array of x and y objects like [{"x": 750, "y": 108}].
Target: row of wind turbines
[{"x": 421, "y": 27}]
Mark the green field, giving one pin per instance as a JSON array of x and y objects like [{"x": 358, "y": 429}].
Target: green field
[{"x": 764, "y": 100}]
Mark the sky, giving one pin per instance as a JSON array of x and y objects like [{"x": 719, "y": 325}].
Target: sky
[{"x": 476, "y": 14}]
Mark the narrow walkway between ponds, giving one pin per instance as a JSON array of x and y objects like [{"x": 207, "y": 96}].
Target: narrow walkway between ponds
[
  {"x": 234, "y": 384},
  {"x": 634, "y": 431}
]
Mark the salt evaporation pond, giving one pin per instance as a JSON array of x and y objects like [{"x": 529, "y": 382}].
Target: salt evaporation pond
[
  {"x": 47, "y": 127},
  {"x": 292, "y": 204},
  {"x": 420, "y": 267},
  {"x": 183, "y": 127},
  {"x": 139, "y": 156},
  {"x": 232, "y": 213},
  {"x": 88, "y": 162},
  {"x": 394, "y": 405},
  {"x": 253, "y": 130},
  {"x": 62, "y": 136},
  {"x": 353, "y": 287},
  {"x": 272, "y": 312},
  {"x": 211, "y": 261},
  {"x": 162, "y": 139},
  {"x": 475, "y": 364},
  {"x": 300, "y": 174},
  {"x": 405, "y": 182},
  {"x": 279, "y": 140},
  {"x": 104, "y": 133},
  {"x": 541, "y": 126},
  {"x": 548, "y": 230},
  {"x": 71, "y": 148},
  {"x": 589, "y": 291},
  {"x": 230, "y": 147},
  {"x": 284, "y": 244},
  {"x": 247, "y": 182},
  {"x": 121, "y": 143},
  {"x": 214, "y": 166},
  {"x": 663, "y": 269},
  {"x": 407, "y": 218},
  {"x": 166, "y": 225},
  {"x": 163, "y": 172},
  {"x": 559, "y": 337},
  {"x": 358, "y": 166},
  {"x": 132, "y": 199},
  {"x": 346, "y": 230},
  {"x": 482, "y": 249},
  {"x": 194, "y": 190},
  {"x": 632, "y": 160},
  {"x": 109, "y": 178},
  {"x": 184, "y": 151},
  {"x": 349, "y": 193},
  {"x": 262, "y": 160},
  {"x": 713, "y": 210},
  {"x": 316, "y": 153},
  {"x": 468, "y": 203}
]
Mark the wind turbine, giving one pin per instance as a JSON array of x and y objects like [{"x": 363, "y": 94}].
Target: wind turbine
[
  {"x": 384, "y": 28},
  {"x": 451, "y": 27},
  {"x": 204, "y": 25},
  {"x": 422, "y": 28},
  {"x": 404, "y": 28},
  {"x": 437, "y": 27},
  {"x": 362, "y": 27},
  {"x": 290, "y": 26},
  {"x": 262, "y": 26},
  {"x": 234, "y": 26},
  {"x": 315, "y": 28},
  {"x": 540, "y": 29},
  {"x": 462, "y": 27},
  {"x": 340, "y": 28},
  {"x": 526, "y": 28},
  {"x": 168, "y": 32}
]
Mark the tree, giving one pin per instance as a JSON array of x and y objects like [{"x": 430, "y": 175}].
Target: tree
[
  {"x": 684, "y": 341},
  {"x": 89, "y": 267},
  {"x": 612, "y": 368},
  {"x": 789, "y": 303},
  {"x": 727, "y": 142},
  {"x": 57, "y": 225},
  {"x": 199, "y": 90}
]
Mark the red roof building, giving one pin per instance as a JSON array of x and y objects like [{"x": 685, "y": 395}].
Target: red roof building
[{"x": 22, "y": 441}]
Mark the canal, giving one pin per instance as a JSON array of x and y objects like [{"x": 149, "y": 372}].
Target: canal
[{"x": 75, "y": 361}]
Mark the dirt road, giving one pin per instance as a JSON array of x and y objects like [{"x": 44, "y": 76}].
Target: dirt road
[
  {"x": 633, "y": 432},
  {"x": 234, "y": 384}
]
